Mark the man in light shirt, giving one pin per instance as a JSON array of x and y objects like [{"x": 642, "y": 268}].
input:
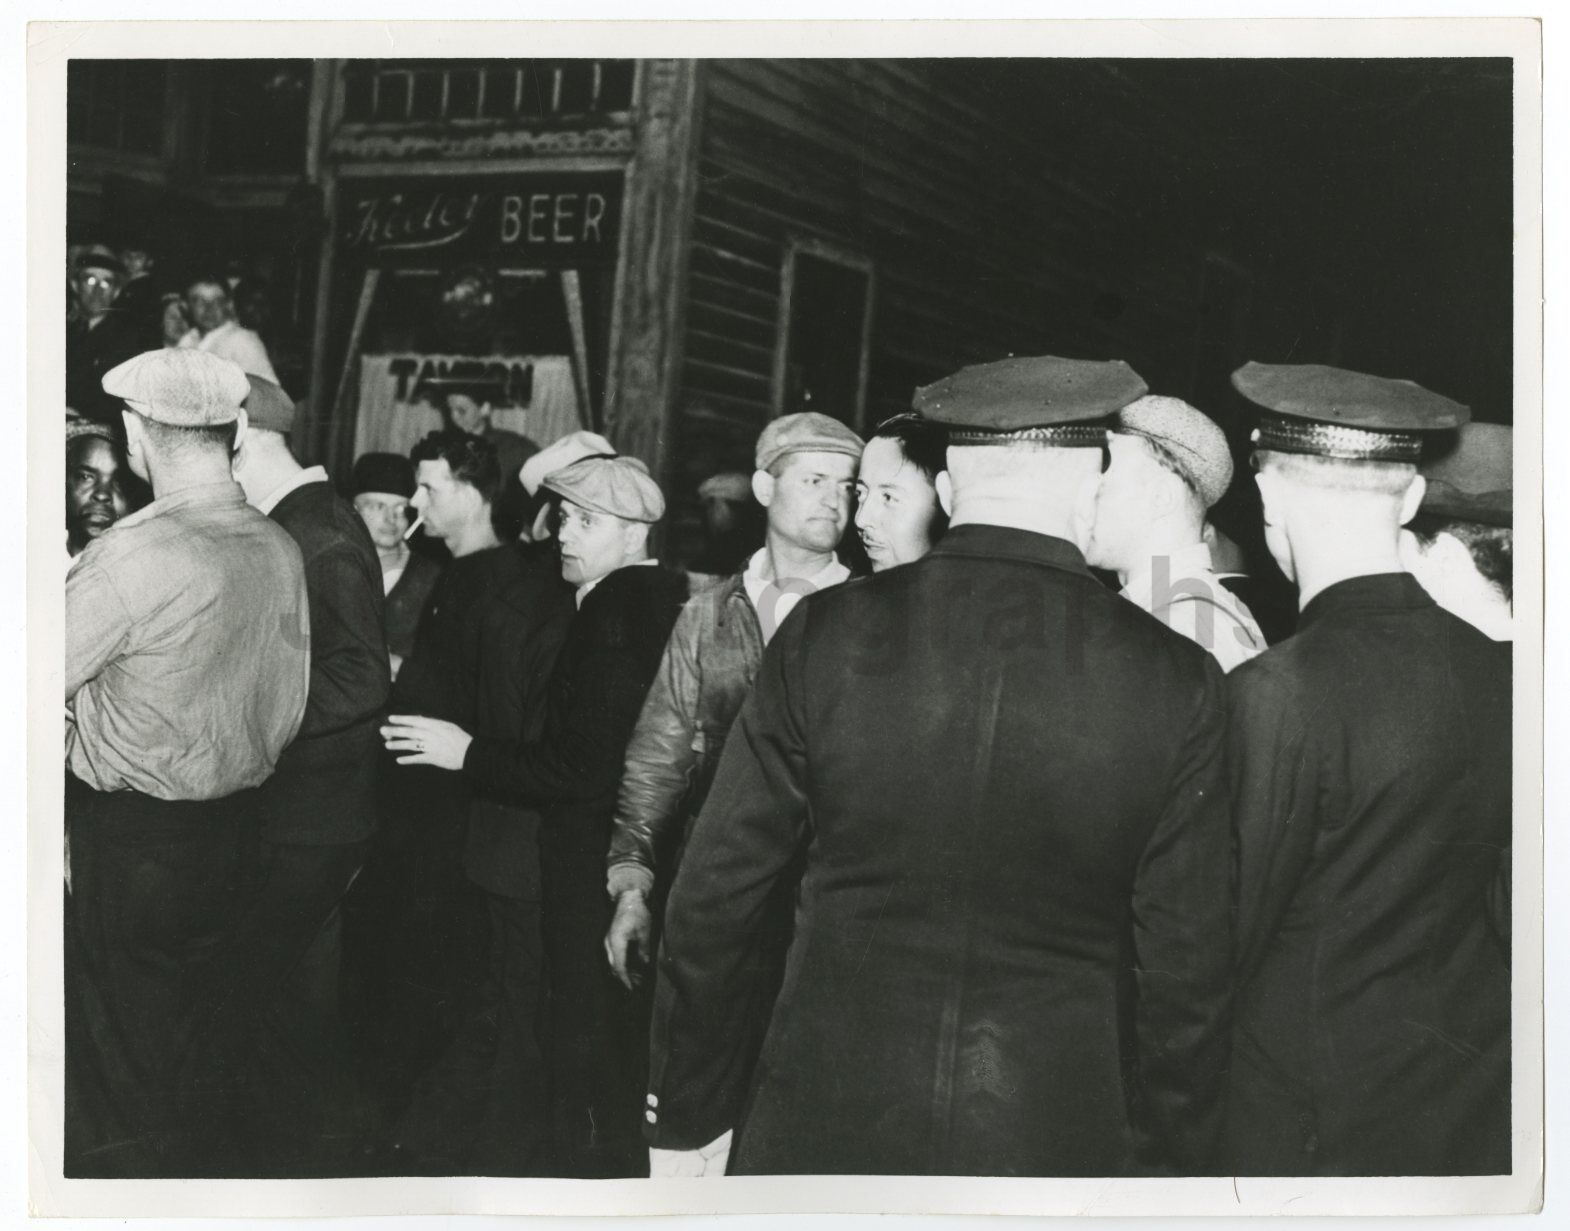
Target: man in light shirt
[
  {"x": 217, "y": 332},
  {"x": 1169, "y": 465}
]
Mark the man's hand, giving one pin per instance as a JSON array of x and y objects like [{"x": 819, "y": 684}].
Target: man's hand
[
  {"x": 710, "y": 1160},
  {"x": 627, "y": 940},
  {"x": 426, "y": 741}
]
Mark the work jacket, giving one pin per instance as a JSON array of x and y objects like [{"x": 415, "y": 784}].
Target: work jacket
[{"x": 710, "y": 660}]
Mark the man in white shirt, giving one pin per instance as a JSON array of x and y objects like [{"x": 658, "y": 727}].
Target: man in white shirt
[
  {"x": 1170, "y": 464},
  {"x": 216, "y": 330}
]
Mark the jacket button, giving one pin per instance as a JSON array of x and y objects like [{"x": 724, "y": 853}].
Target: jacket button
[
  {"x": 651, "y": 1117},
  {"x": 654, "y": 1100}
]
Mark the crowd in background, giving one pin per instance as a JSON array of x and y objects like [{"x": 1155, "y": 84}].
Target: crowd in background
[{"x": 437, "y": 826}]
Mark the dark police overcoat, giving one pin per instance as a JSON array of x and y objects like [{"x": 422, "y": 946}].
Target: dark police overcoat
[
  {"x": 1011, "y": 946},
  {"x": 1370, "y": 758}
]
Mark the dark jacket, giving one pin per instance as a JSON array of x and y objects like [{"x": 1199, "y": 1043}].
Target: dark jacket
[
  {"x": 89, "y": 354},
  {"x": 324, "y": 790},
  {"x": 1370, "y": 763},
  {"x": 520, "y": 633},
  {"x": 611, "y": 650},
  {"x": 1011, "y": 947},
  {"x": 709, "y": 663},
  {"x": 406, "y": 602}
]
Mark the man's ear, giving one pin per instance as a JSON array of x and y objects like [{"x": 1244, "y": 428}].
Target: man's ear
[
  {"x": 763, "y": 487},
  {"x": 1084, "y": 513},
  {"x": 635, "y": 540},
  {"x": 1270, "y": 496},
  {"x": 1413, "y": 500},
  {"x": 945, "y": 486},
  {"x": 241, "y": 423}
]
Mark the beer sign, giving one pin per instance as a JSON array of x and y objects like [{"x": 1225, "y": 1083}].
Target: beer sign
[{"x": 561, "y": 220}]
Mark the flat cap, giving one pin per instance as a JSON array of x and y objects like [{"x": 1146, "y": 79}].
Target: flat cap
[
  {"x": 1191, "y": 438},
  {"x": 268, "y": 407},
  {"x": 179, "y": 386},
  {"x": 75, "y": 429},
  {"x": 389, "y": 473},
  {"x": 1332, "y": 412},
  {"x": 573, "y": 447},
  {"x": 728, "y": 485},
  {"x": 620, "y": 486},
  {"x": 1057, "y": 401},
  {"x": 1473, "y": 480},
  {"x": 808, "y": 432}
]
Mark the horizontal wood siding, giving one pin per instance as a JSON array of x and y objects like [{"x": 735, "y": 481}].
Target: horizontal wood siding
[{"x": 986, "y": 236}]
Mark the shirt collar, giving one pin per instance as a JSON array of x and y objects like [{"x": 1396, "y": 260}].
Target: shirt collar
[
  {"x": 1191, "y": 561},
  {"x": 583, "y": 590},
  {"x": 754, "y": 582},
  {"x": 203, "y": 495},
  {"x": 311, "y": 474},
  {"x": 1372, "y": 592},
  {"x": 977, "y": 539}
]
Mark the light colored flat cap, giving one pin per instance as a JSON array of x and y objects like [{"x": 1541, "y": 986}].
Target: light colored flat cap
[
  {"x": 728, "y": 485},
  {"x": 620, "y": 486},
  {"x": 808, "y": 432},
  {"x": 180, "y": 387},
  {"x": 1191, "y": 438},
  {"x": 573, "y": 447}
]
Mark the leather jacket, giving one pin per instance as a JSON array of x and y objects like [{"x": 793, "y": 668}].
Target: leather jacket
[{"x": 710, "y": 661}]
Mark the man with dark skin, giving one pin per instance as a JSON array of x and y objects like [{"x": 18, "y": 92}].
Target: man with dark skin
[{"x": 95, "y": 486}]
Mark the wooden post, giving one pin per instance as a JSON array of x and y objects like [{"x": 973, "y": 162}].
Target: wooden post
[
  {"x": 342, "y": 441},
  {"x": 649, "y": 320},
  {"x": 572, "y": 294}
]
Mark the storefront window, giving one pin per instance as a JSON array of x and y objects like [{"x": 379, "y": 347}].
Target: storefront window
[{"x": 825, "y": 317}]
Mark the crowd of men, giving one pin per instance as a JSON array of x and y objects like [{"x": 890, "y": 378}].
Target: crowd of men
[{"x": 536, "y": 855}]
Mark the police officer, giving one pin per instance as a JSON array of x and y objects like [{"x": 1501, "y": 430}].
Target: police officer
[
  {"x": 186, "y": 669},
  {"x": 1370, "y": 758},
  {"x": 1011, "y": 950},
  {"x": 1460, "y": 544}
]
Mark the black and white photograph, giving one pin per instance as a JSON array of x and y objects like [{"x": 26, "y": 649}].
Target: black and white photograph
[{"x": 916, "y": 610}]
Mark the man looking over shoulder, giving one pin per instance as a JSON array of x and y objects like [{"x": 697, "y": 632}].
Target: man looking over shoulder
[{"x": 898, "y": 514}]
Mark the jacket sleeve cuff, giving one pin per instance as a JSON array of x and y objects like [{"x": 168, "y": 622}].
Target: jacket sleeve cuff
[{"x": 625, "y": 876}]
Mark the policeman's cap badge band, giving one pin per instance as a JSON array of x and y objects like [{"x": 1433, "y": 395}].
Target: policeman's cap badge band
[
  {"x": 1358, "y": 444},
  {"x": 1061, "y": 435}
]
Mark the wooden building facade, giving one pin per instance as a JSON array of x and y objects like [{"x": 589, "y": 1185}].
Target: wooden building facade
[{"x": 673, "y": 252}]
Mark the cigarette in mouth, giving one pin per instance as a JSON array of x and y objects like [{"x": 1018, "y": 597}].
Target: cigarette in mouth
[{"x": 418, "y": 522}]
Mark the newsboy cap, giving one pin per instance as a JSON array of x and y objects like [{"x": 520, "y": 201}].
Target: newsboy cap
[
  {"x": 181, "y": 387},
  {"x": 620, "y": 486},
  {"x": 807, "y": 432},
  {"x": 1332, "y": 412},
  {"x": 561, "y": 453},
  {"x": 390, "y": 474},
  {"x": 1190, "y": 438},
  {"x": 268, "y": 407},
  {"x": 1474, "y": 479},
  {"x": 1063, "y": 402}
]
